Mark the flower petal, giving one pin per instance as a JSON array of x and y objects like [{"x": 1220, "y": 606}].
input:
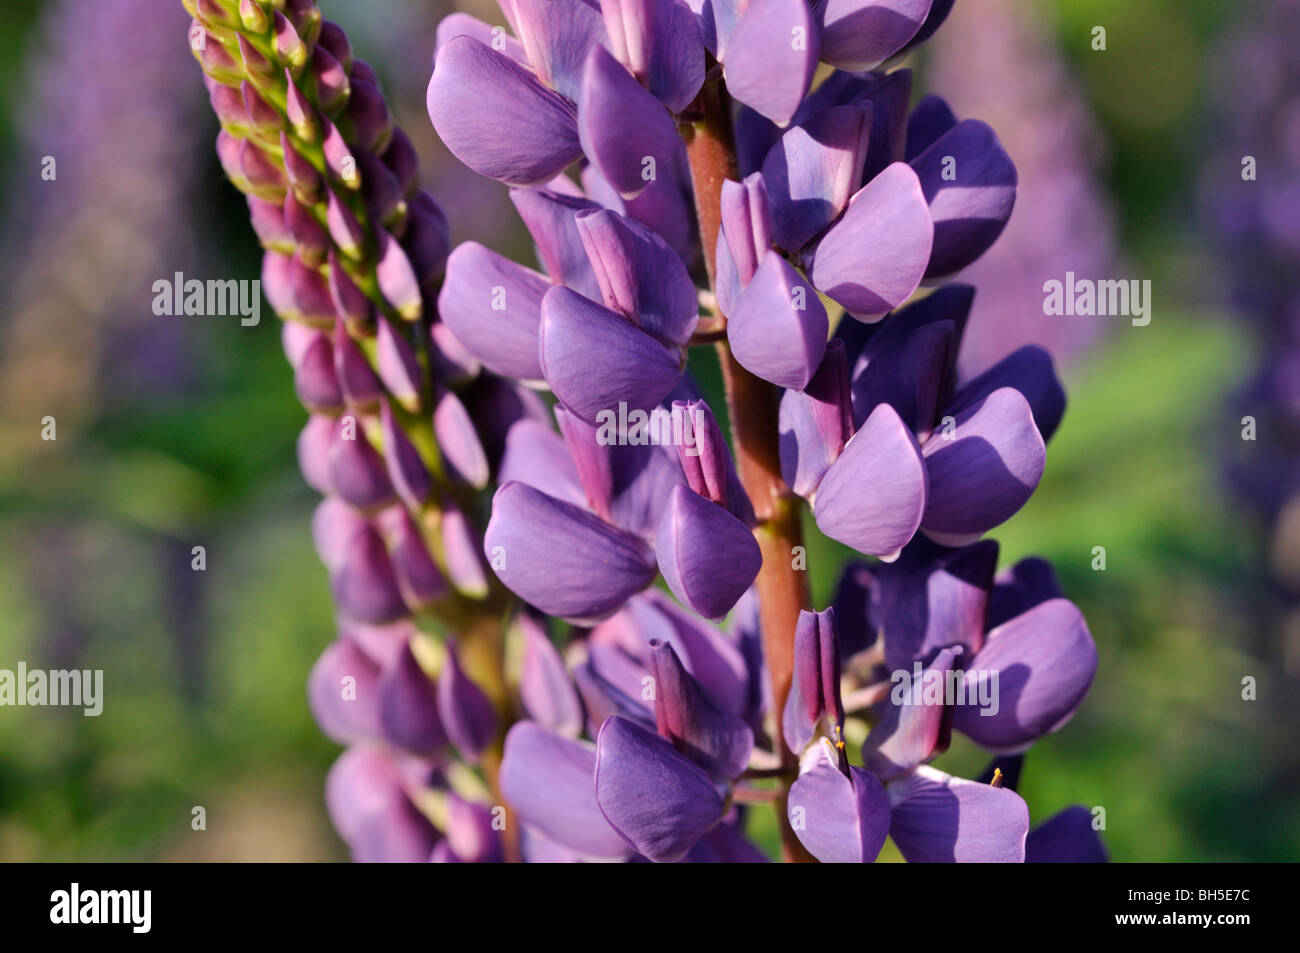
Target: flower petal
[
  {"x": 861, "y": 34},
  {"x": 707, "y": 556},
  {"x": 937, "y": 818},
  {"x": 815, "y": 423},
  {"x": 771, "y": 56},
  {"x": 778, "y": 328},
  {"x": 712, "y": 737},
  {"x": 839, "y": 819}
]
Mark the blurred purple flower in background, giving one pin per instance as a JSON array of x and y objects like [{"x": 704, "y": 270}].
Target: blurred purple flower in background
[
  {"x": 1063, "y": 220},
  {"x": 718, "y": 198}
]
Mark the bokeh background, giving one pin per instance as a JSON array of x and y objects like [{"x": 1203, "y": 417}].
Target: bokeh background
[{"x": 176, "y": 432}]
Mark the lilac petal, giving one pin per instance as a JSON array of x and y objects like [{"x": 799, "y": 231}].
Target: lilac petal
[
  {"x": 771, "y": 57},
  {"x": 889, "y": 96},
  {"x": 406, "y": 469},
  {"x": 971, "y": 206},
  {"x": 706, "y": 460},
  {"x": 839, "y": 819},
  {"x": 1037, "y": 668},
  {"x": 333, "y": 524},
  {"x": 659, "y": 42},
  {"x": 707, "y": 556},
  {"x": 313, "y": 450},
  {"x": 396, "y": 278},
  {"x": 364, "y": 585},
  {"x": 315, "y": 380},
  {"x": 371, "y": 811},
  {"x": 551, "y": 219},
  {"x": 815, "y": 423},
  {"x": 267, "y": 220},
  {"x": 594, "y": 359},
  {"x": 712, "y": 737},
  {"x": 350, "y": 302},
  {"x": 889, "y": 212},
  {"x": 906, "y": 367},
  {"x": 467, "y": 715},
  {"x": 397, "y": 365},
  {"x": 708, "y": 653},
  {"x": 640, "y": 276},
  {"x": 937, "y": 818},
  {"x": 1020, "y": 587},
  {"x": 462, "y": 548},
  {"x": 418, "y": 577},
  {"x": 747, "y": 225},
  {"x": 915, "y": 723},
  {"x": 449, "y": 360},
  {"x": 1029, "y": 370},
  {"x": 462, "y": 24},
  {"x": 544, "y": 686},
  {"x": 810, "y": 174},
  {"x": 494, "y": 306},
  {"x": 361, "y": 389},
  {"x": 458, "y": 441},
  {"x": 987, "y": 472},
  {"x": 933, "y": 597},
  {"x": 558, "y": 37},
  {"x": 471, "y": 835},
  {"x": 381, "y": 643},
  {"x": 536, "y": 455},
  {"x": 603, "y": 696},
  {"x": 1066, "y": 838},
  {"x": 567, "y": 562},
  {"x": 815, "y": 687},
  {"x": 657, "y": 799},
  {"x": 548, "y": 780},
  {"x": 949, "y": 304},
  {"x": 625, "y": 132},
  {"x": 861, "y": 34},
  {"x": 344, "y": 695},
  {"x": 778, "y": 328},
  {"x": 356, "y": 471},
  {"x": 408, "y": 707},
  {"x": 930, "y": 119},
  {"x": 874, "y": 494},
  {"x": 939, "y": 11},
  {"x": 533, "y": 134}
]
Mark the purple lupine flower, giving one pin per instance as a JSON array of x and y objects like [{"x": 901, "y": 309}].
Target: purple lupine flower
[{"x": 683, "y": 183}]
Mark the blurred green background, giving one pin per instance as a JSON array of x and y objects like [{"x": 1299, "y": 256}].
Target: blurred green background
[{"x": 176, "y": 432}]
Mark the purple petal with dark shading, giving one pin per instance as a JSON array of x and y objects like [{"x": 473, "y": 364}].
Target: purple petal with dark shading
[
  {"x": 364, "y": 585},
  {"x": 594, "y": 359},
  {"x": 987, "y": 472},
  {"x": 621, "y": 126},
  {"x": 655, "y": 797},
  {"x": 360, "y": 387},
  {"x": 458, "y": 441},
  {"x": 707, "y": 556},
  {"x": 1036, "y": 670},
  {"x": 406, "y": 469},
  {"x": 639, "y": 275},
  {"x": 771, "y": 56},
  {"x": 930, "y": 119},
  {"x": 814, "y": 424},
  {"x": 562, "y": 559},
  {"x": 315, "y": 380},
  {"x": 915, "y": 725},
  {"x": 356, "y": 471},
  {"x": 906, "y": 367},
  {"x": 971, "y": 204},
  {"x": 494, "y": 306},
  {"x": 551, "y": 218},
  {"x": 471, "y": 834},
  {"x": 343, "y": 693},
  {"x": 839, "y": 819},
  {"x": 533, "y": 134},
  {"x": 933, "y": 597},
  {"x": 874, "y": 494},
  {"x": 397, "y": 365},
  {"x": 778, "y": 328},
  {"x": 545, "y": 689},
  {"x": 1020, "y": 587},
  {"x": 558, "y": 37},
  {"x": 408, "y": 707},
  {"x": 810, "y": 174},
  {"x": 888, "y": 212},
  {"x": 549, "y": 782},
  {"x": 1029, "y": 370},
  {"x": 333, "y": 524},
  {"x": 1066, "y": 838},
  {"x": 706, "y": 460},
  {"x": 462, "y": 24},
  {"x": 536, "y": 455},
  {"x": 462, "y": 549},
  {"x": 467, "y": 716},
  {"x": 937, "y": 818},
  {"x": 659, "y": 42},
  {"x": 313, "y": 450},
  {"x": 815, "y": 687},
  {"x": 712, "y": 737},
  {"x": 418, "y": 577},
  {"x": 861, "y": 34}
]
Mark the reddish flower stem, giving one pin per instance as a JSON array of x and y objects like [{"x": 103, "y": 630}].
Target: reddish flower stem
[{"x": 753, "y": 404}]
